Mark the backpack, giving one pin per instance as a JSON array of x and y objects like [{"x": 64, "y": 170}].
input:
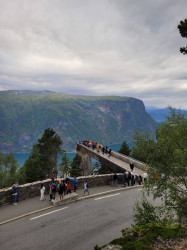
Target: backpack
[
  {"x": 86, "y": 185},
  {"x": 53, "y": 187}
]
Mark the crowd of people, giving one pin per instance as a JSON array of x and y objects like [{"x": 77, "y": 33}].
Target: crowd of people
[
  {"x": 64, "y": 187},
  {"x": 129, "y": 179},
  {"x": 96, "y": 146}
]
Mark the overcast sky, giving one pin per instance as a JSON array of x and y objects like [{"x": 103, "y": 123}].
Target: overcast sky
[{"x": 95, "y": 47}]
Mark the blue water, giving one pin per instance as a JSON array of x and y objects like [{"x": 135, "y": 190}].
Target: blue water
[{"x": 21, "y": 158}]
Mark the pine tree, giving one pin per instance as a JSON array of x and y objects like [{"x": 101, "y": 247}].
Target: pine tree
[
  {"x": 75, "y": 166},
  {"x": 42, "y": 162},
  {"x": 125, "y": 150}
]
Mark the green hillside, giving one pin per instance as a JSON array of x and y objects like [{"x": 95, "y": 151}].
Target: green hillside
[{"x": 24, "y": 115}]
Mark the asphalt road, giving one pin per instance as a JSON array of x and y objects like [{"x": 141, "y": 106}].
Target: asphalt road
[{"x": 80, "y": 225}]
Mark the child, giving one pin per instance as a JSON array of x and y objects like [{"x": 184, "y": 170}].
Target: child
[
  {"x": 42, "y": 191},
  {"x": 86, "y": 188}
]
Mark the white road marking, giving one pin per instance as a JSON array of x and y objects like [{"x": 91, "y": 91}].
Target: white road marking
[
  {"x": 103, "y": 197},
  {"x": 48, "y": 213}
]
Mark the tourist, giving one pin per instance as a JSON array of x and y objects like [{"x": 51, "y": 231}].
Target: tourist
[
  {"x": 53, "y": 189},
  {"x": 14, "y": 193},
  {"x": 68, "y": 188},
  {"x": 140, "y": 180},
  {"x": 64, "y": 187},
  {"x": 60, "y": 189},
  {"x": 67, "y": 176},
  {"x": 42, "y": 191},
  {"x": 106, "y": 149},
  {"x": 132, "y": 179},
  {"x": 109, "y": 152},
  {"x": 115, "y": 180},
  {"x": 131, "y": 166},
  {"x": 129, "y": 178},
  {"x": 74, "y": 183},
  {"x": 125, "y": 178},
  {"x": 86, "y": 188}
]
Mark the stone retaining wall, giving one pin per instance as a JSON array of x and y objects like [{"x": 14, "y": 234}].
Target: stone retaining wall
[{"x": 30, "y": 190}]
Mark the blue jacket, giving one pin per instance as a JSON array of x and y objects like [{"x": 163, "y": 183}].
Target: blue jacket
[
  {"x": 14, "y": 190},
  {"x": 74, "y": 182}
]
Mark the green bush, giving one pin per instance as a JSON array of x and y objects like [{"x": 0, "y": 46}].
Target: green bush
[{"x": 142, "y": 237}]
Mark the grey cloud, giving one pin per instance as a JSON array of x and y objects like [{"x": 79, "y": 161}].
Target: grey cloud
[{"x": 94, "y": 47}]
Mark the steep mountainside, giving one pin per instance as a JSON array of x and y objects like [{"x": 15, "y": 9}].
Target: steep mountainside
[{"x": 24, "y": 115}]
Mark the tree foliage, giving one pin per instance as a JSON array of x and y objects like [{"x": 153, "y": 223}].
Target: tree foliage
[
  {"x": 42, "y": 162},
  {"x": 183, "y": 31},
  {"x": 141, "y": 145},
  {"x": 65, "y": 164},
  {"x": 75, "y": 166},
  {"x": 8, "y": 170},
  {"x": 124, "y": 149},
  {"x": 166, "y": 159}
]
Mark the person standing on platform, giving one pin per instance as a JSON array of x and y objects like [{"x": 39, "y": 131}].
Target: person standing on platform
[
  {"x": 14, "y": 193},
  {"x": 42, "y": 191},
  {"x": 53, "y": 189},
  {"x": 60, "y": 189},
  {"x": 86, "y": 188},
  {"x": 68, "y": 188},
  {"x": 74, "y": 183},
  {"x": 67, "y": 176}
]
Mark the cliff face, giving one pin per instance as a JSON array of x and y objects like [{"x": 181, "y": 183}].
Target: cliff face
[{"x": 24, "y": 116}]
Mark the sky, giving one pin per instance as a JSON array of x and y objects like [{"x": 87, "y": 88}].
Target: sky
[{"x": 95, "y": 47}]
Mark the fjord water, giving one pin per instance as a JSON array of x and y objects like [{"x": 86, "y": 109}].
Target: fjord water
[{"x": 21, "y": 158}]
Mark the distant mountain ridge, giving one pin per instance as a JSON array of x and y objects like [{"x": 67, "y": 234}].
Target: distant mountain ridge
[
  {"x": 159, "y": 115},
  {"x": 24, "y": 115}
]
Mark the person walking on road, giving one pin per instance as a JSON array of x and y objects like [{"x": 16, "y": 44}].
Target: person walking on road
[
  {"x": 42, "y": 191},
  {"x": 14, "y": 193},
  {"x": 74, "y": 183},
  {"x": 86, "y": 188}
]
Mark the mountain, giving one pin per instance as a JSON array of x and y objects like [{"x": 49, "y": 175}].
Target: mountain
[
  {"x": 24, "y": 115},
  {"x": 159, "y": 115}
]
